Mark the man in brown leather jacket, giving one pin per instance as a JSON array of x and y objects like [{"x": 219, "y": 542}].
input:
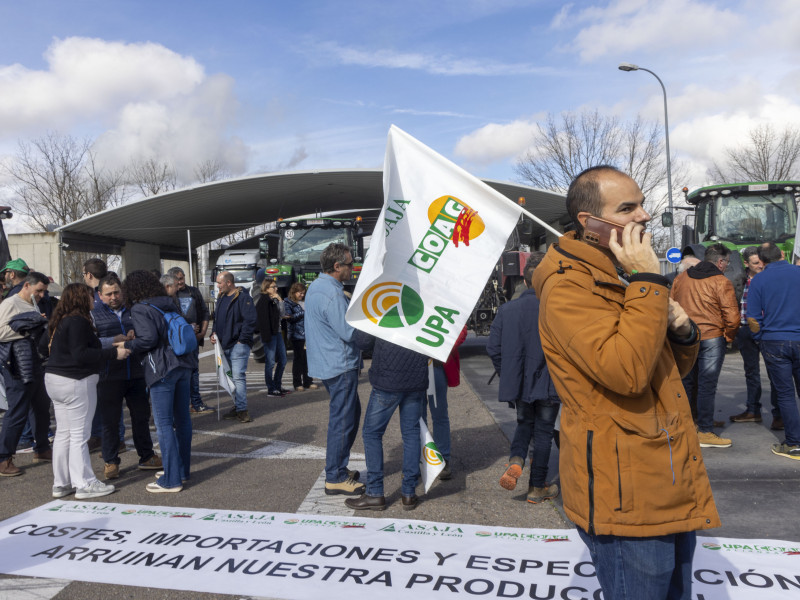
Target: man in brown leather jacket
[
  {"x": 709, "y": 299},
  {"x": 632, "y": 475}
]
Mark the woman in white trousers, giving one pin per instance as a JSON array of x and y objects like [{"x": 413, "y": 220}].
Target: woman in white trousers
[{"x": 71, "y": 380}]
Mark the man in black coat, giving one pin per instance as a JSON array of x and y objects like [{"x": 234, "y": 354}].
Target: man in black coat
[{"x": 516, "y": 352}]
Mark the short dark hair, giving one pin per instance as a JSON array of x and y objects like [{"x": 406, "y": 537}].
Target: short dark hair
[
  {"x": 748, "y": 252},
  {"x": 335, "y": 252},
  {"x": 530, "y": 265},
  {"x": 769, "y": 252},
  {"x": 583, "y": 194},
  {"x": 716, "y": 251},
  {"x": 110, "y": 279},
  {"x": 96, "y": 268},
  {"x": 227, "y": 276},
  {"x": 34, "y": 277}
]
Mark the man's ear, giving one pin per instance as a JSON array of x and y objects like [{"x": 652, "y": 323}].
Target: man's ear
[{"x": 582, "y": 216}]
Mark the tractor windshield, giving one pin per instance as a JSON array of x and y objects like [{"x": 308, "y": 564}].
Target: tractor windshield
[
  {"x": 304, "y": 245},
  {"x": 749, "y": 219}
]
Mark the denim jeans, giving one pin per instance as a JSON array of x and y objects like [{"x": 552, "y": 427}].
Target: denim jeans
[
  {"x": 300, "y": 364},
  {"x": 706, "y": 369},
  {"x": 751, "y": 357},
  {"x": 195, "y": 399},
  {"x": 782, "y": 358},
  {"x": 274, "y": 357},
  {"x": 649, "y": 567},
  {"x": 170, "y": 400},
  {"x": 343, "y": 417},
  {"x": 439, "y": 415},
  {"x": 110, "y": 395},
  {"x": 237, "y": 359},
  {"x": 24, "y": 400},
  {"x": 535, "y": 421},
  {"x": 380, "y": 409}
]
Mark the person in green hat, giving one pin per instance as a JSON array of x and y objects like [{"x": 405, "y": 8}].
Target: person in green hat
[{"x": 15, "y": 273}]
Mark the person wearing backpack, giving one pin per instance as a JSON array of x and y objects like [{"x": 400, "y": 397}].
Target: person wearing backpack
[{"x": 168, "y": 364}]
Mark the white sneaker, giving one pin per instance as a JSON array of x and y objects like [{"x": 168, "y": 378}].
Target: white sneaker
[
  {"x": 94, "y": 490},
  {"x": 155, "y": 488},
  {"x": 59, "y": 491}
]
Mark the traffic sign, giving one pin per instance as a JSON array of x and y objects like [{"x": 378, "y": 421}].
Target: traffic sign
[{"x": 674, "y": 255}]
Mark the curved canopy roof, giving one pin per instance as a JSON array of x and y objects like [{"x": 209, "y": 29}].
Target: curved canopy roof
[{"x": 213, "y": 210}]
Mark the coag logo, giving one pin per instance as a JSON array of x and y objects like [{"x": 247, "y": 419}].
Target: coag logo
[
  {"x": 392, "y": 304},
  {"x": 432, "y": 455},
  {"x": 452, "y": 221}
]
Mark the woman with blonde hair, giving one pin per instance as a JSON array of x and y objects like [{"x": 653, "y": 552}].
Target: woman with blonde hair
[{"x": 71, "y": 375}]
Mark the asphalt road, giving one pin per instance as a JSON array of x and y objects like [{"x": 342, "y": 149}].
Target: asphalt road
[{"x": 276, "y": 462}]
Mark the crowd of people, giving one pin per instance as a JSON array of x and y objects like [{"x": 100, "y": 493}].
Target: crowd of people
[{"x": 626, "y": 390}]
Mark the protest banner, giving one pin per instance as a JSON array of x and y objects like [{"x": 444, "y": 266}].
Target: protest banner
[
  {"x": 431, "y": 462},
  {"x": 224, "y": 373},
  {"x": 291, "y": 556},
  {"x": 439, "y": 235}
]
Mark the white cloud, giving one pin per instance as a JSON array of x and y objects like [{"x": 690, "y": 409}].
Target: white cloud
[
  {"x": 680, "y": 27},
  {"x": 157, "y": 103},
  {"x": 495, "y": 142},
  {"x": 437, "y": 65}
]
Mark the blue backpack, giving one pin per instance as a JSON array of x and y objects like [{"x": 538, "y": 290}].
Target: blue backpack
[{"x": 180, "y": 334}]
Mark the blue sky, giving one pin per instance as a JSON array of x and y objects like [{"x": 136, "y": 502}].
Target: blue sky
[{"x": 264, "y": 85}]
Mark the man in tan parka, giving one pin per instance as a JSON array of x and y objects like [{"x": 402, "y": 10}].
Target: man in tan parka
[{"x": 632, "y": 474}]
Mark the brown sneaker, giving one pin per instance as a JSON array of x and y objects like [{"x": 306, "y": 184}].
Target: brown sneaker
[
  {"x": 709, "y": 439},
  {"x": 43, "y": 457},
  {"x": 539, "y": 494},
  {"x": 151, "y": 464},
  {"x": 348, "y": 487},
  {"x": 111, "y": 471},
  {"x": 243, "y": 416},
  {"x": 7, "y": 468},
  {"x": 513, "y": 472},
  {"x": 746, "y": 417},
  {"x": 777, "y": 424}
]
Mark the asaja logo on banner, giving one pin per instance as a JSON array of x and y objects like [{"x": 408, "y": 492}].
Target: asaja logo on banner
[
  {"x": 451, "y": 221},
  {"x": 432, "y": 455},
  {"x": 392, "y": 304}
]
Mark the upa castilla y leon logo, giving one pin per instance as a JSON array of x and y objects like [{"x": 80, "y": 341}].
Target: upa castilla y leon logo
[
  {"x": 432, "y": 455},
  {"x": 392, "y": 304},
  {"x": 711, "y": 546},
  {"x": 452, "y": 221}
]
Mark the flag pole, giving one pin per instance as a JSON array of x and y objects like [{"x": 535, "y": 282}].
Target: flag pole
[{"x": 542, "y": 223}]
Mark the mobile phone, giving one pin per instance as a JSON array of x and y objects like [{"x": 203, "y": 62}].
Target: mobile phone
[{"x": 598, "y": 231}]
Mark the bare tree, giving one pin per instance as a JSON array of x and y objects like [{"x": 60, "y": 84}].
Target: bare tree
[
  {"x": 768, "y": 155},
  {"x": 153, "y": 177},
  {"x": 211, "y": 170},
  {"x": 566, "y": 144}
]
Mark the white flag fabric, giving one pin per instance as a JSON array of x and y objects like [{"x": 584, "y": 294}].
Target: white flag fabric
[
  {"x": 791, "y": 259},
  {"x": 438, "y": 237},
  {"x": 431, "y": 462},
  {"x": 224, "y": 373}
]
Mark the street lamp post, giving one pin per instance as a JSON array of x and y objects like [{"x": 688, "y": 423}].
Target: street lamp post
[{"x": 630, "y": 67}]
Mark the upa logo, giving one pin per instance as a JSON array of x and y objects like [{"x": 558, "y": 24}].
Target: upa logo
[
  {"x": 392, "y": 304},
  {"x": 432, "y": 455},
  {"x": 452, "y": 221},
  {"x": 711, "y": 546}
]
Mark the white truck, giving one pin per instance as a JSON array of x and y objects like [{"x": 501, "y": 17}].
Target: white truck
[{"x": 243, "y": 264}]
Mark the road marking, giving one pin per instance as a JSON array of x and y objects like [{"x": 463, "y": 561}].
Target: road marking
[
  {"x": 271, "y": 449},
  {"x": 34, "y": 588}
]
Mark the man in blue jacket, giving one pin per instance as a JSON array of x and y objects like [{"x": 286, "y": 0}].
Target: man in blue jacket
[
  {"x": 120, "y": 379},
  {"x": 516, "y": 352},
  {"x": 334, "y": 358},
  {"x": 234, "y": 324},
  {"x": 773, "y": 315}
]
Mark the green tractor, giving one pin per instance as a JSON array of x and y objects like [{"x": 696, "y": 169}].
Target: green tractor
[{"x": 739, "y": 215}]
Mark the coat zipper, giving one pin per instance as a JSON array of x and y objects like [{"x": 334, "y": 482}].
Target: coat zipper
[{"x": 590, "y": 470}]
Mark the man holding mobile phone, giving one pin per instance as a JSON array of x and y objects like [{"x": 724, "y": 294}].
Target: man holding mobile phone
[{"x": 632, "y": 474}]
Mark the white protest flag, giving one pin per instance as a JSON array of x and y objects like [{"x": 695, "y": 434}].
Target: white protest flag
[
  {"x": 439, "y": 235},
  {"x": 431, "y": 462},
  {"x": 791, "y": 259},
  {"x": 224, "y": 373}
]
